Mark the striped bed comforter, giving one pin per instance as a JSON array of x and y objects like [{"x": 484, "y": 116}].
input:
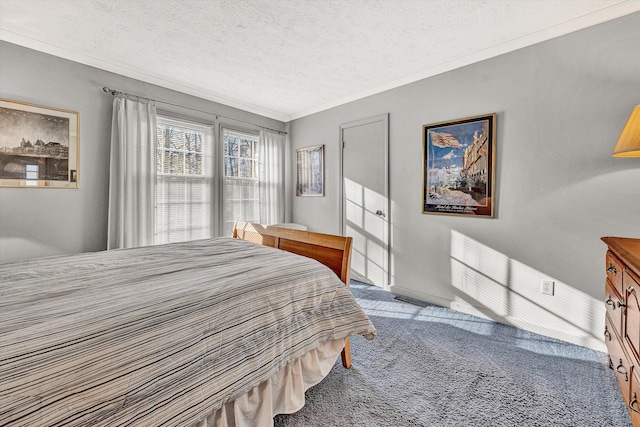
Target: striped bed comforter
[{"x": 160, "y": 335}]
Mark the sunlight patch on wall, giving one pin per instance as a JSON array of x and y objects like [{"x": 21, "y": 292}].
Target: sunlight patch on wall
[
  {"x": 484, "y": 290},
  {"x": 578, "y": 311},
  {"x": 493, "y": 285},
  {"x": 481, "y": 258}
]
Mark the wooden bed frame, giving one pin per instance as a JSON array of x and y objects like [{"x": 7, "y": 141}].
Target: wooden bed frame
[{"x": 330, "y": 250}]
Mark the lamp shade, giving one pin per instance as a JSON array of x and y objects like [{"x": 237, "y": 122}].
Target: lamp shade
[{"x": 629, "y": 142}]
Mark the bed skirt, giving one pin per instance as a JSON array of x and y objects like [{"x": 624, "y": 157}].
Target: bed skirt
[{"x": 281, "y": 394}]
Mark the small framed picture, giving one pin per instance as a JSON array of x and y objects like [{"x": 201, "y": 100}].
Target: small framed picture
[
  {"x": 38, "y": 146},
  {"x": 459, "y": 167},
  {"x": 310, "y": 171}
]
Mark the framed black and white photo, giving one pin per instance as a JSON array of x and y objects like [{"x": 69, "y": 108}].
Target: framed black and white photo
[
  {"x": 310, "y": 171},
  {"x": 38, "y": 146}
]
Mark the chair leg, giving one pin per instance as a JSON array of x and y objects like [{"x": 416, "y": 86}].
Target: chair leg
[{"x": 346, "y": 354}]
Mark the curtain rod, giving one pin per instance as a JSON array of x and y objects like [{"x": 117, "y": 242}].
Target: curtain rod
[{"x": 138, "y": 97}]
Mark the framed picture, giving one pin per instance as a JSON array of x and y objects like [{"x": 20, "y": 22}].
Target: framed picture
[
  {"x": 459, "y": 167},
  {"x": 310, "y": 171},
  {"x": 38, "y": 146}
]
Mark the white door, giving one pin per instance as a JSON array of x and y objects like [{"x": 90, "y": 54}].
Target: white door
[{"x": 365, "y": 197}]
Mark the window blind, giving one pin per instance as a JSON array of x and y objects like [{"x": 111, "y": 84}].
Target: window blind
[
  {"x": 184, "y": 185},
  {"x": 241, "y": 192}
]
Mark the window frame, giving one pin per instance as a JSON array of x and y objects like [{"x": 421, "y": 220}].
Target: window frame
[
  {"x": 239, "y": 132},
  {"x": 208, "y": 167}
]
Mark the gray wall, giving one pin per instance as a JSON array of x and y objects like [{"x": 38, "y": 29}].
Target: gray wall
[
  {"x": 560, "y": 107},
  {"x": 36, "y": 222}
]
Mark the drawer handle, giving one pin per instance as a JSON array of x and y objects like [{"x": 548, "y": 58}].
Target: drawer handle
[
  {"x": 611, "y": 269},
  {"x": 607, "y": 334},
  {"x": 611, "y": 303},
  {"x": 634, "y": 402},
  {"x": 626, "y": 375},
  {"x": 621, "y": 304}
]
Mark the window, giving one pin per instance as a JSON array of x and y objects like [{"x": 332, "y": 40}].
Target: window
[
  {"x": 32, "y": 172},
  {"x": 183, "y": 208},
  {"x": 240, "y": 178}
]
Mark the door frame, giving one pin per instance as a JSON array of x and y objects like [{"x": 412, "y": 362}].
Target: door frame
[{"x": 384, "y": 118}]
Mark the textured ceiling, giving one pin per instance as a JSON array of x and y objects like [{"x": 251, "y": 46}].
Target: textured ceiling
[{"x": 289, "y": 58}]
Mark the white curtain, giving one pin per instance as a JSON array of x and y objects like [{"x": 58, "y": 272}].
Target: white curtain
[
  {"x": 271, "y": 177},
  {"x": 132, "y": 178}
]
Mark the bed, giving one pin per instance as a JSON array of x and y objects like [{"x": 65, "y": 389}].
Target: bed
[{"x": 215, "y": 332}]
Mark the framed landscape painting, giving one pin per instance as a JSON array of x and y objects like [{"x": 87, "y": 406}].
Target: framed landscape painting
[
  {"x": 310, "y": 171},
  {"x": 459, "y": 167},
  {"x": 38, "y": 146}
]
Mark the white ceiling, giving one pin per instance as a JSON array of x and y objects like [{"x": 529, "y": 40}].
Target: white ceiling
[{"x": 289, "y": 58}]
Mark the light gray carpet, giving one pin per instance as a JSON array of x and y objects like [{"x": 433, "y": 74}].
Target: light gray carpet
[{"x": 436, "y": 367}]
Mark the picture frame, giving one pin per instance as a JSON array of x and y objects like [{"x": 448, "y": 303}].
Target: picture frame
[
  {"x": 459, "y": 167},
  {"x": 39, "y": 146},
  {"x": 310, "y": 171}
]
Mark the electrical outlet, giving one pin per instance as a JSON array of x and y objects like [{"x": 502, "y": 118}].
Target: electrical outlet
[{"x": 546, "y": 286}]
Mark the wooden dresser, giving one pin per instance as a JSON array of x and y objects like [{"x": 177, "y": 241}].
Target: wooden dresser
[{"x": 622, "y": 327}]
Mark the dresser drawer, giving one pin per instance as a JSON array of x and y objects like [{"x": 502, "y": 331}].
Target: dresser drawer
[
  {"x": 632, "y": 313},
  {"x": 614, "y": 272},
  {"x": 634, "y": 398},
  {"x": 619, "y": 362},
  {"x": 614, "y": 307},
  {"x": 610, "y": 334}
]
